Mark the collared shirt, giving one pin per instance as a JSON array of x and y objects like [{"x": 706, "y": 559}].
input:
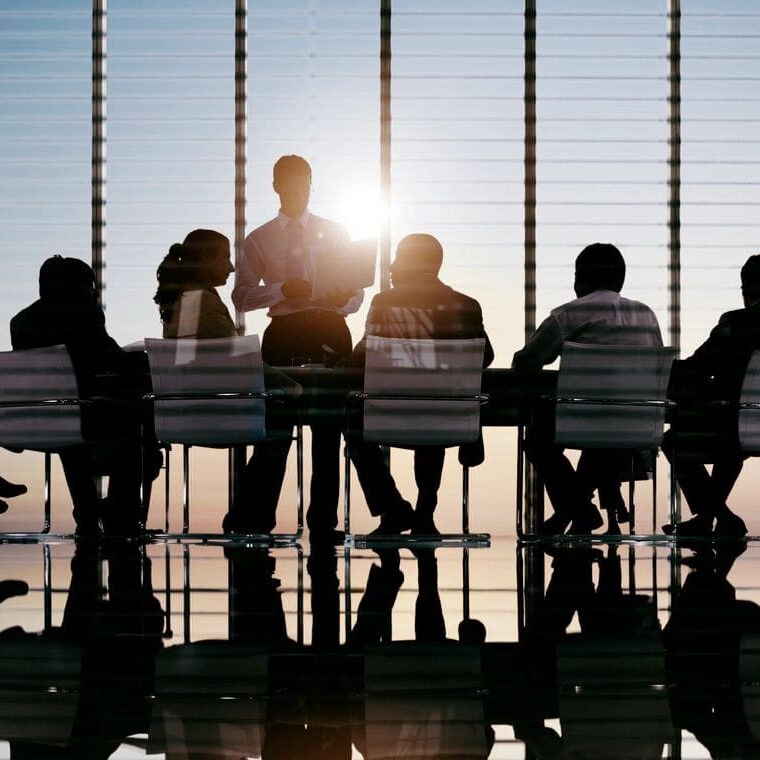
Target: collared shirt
[
  {"x": 602, "y": 317},
  {"x": 270, "y": 258}
]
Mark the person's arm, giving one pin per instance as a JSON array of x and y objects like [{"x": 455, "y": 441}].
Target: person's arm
[
  {"x": 249, "y": 294},
  {"x": 542, "y": 348}
]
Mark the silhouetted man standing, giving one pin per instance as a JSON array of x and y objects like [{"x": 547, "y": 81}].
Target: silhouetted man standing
[{"x": 277, "y": 272}]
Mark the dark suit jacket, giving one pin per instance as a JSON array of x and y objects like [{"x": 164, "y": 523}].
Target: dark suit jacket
[
  {"x": 423, "y": 308},
  {"x": 81, "y": 326},
  {"x": 716, "y": 369}
]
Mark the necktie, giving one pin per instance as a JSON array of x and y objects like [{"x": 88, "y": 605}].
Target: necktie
[{"x": 295, "y": 250}]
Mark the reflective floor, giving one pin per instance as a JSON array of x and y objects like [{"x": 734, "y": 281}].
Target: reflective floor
[{"x": 628, "y": 650}]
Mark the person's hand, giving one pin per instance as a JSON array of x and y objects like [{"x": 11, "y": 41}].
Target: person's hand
[
  {"x": 296, "y": 288},
  {"x": 336, "y": 299}
]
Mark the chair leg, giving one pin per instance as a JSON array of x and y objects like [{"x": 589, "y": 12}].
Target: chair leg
[
  {"x": 465, "y": 500},
  {"x": 347, "y": 590},
  {"x": 346, "y": 487},
  {"x": 186, "y": 595},
  {"x": 185, "y": 489},
  {"x": 654, "y": 491},
  {"x": 299, "y": 480},
  {"x": 520, "y": 483},
  {"x": 167, "y": 483},
  {"x": 465, "y": 583},
  {"x": 47, "y": 497},
  {"x": 299, "y": 597},
  {"x": 47, "y": 581},
  {"x": 631, "y": 502}
]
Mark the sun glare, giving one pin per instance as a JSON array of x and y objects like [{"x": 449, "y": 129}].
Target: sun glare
[{"x": 361, "y": 211}]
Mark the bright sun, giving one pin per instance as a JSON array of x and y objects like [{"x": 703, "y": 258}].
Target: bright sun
[{"x": 360, "y": 211}]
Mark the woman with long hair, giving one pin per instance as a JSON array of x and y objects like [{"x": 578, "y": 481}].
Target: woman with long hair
[{"x": 188, "y": 302}]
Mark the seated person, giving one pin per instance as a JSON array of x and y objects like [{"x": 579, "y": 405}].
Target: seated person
[
  {"x": 190, "y": 307},
  {"x": 188, "y": 302},
  {"x": 598, "y": 315},
  {"x": 67, "y": 313},
  {"x": 702, "y": 433},
  {"x": 418, "y": 305}
]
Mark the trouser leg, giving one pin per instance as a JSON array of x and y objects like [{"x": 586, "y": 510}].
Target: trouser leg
[
  {"x": 725, "y": 473},
  {"x": 428, "y": 468},
  {"x": 375, "y": 478},
  {"x": 322, "y": 513},
  {"x": 560, "y": 479},
  {"x": 694, "y": 480},
  {"x": 599, "y": 470},
  {"x": 254, "y": 506},
  {"x": 124, "y": 506},
  {"x": 79, "y": 472}
]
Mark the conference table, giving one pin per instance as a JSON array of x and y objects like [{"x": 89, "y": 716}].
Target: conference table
[{"x": 512, "y": 393}]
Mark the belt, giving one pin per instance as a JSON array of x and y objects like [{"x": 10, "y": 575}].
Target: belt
[{"x": 309, "y": 315}]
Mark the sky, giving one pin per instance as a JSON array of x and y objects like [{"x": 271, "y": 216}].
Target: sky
[{"x": 457, "y": 168}]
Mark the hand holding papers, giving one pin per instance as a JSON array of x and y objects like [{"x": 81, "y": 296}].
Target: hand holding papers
[{"x": 344, "y": 270}]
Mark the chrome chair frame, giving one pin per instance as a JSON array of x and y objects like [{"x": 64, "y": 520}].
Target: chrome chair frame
[
  {"x": 521, "y": 462},
  {"x": 236, "y": 395},
  {"x": 360, "y": 540},
  {"x": 520, "y": 528},
  {"x": 47, "y": 453}
]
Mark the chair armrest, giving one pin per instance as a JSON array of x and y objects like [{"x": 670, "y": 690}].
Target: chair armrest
[{"x": 231, "y": 395}]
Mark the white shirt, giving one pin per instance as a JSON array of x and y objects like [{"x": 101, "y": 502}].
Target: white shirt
[
  {"x": 602, "y": 317},
  {"x": 271, "y": 256}
]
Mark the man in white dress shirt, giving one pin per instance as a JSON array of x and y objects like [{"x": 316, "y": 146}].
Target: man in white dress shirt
[
  {"x": 276, "y": 272},
  {"x": 598, "y": 315}
]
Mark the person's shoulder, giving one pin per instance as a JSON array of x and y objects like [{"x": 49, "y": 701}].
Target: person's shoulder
[
  {"x": 461, "y": 299},
  {"x": 738, "y": 317},
  {"x": 25, "y": 313},
  {"x": 635, "y": 305},
  {"x": 569, "y": 306},
  {"x": 262, "y": 230}
]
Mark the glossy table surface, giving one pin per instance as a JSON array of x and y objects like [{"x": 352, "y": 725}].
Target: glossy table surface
[{"x": 226, "y": 651}]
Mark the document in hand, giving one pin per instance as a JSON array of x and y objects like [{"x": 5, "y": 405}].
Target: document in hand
[{"x": 347, "y": 268}]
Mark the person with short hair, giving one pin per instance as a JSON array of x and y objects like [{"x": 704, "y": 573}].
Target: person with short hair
[
  {"x": 276, "y": 272},
  {"x": 67, "y": 312},
  {"x": 418, "y": 306},
  {"x": 703, "y": 432},
  {"x": 600, "y": 315}
]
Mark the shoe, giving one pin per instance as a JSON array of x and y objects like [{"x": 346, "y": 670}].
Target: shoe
[
  {"x": 8, "y": 490},
  {"x": 88, "y": 531},
  {"x": 12, "y": 588},
  {"x": 555, "y": 525},
  {"x": 587, "y": 521},
  {"x": 696, "y": 526},
  {"x": 327, "y": 537},
  {"x": 424, "y": 526},
  {"x": 730, "y": 525},
  {"x": 395, "y": 521}
]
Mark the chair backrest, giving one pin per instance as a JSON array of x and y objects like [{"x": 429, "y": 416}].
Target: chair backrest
[
  {"x": 444, "y": 375},
  {"x": 624, "y": 388},
  {"x": 29, "y": 378},
  {"x": 423, "y": 700},
  {"x": 749, "y": 415},
  {"x": 197, "y": 368}
]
